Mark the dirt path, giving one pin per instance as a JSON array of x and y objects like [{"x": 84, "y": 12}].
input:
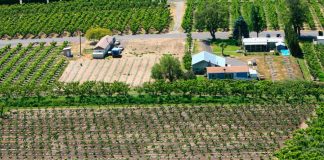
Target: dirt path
[
  {"x": 88, "y": 72},
  {"x": 141, "y": 72},
  {"x": 119, "y": 70},
  {"x": 132, "y": 73},
  {"x": 95, "y": 74},
  {"x": 104, "y": 70},
  {"x": 75, "y": 70},
  {"x": 146, "y": 77},
  {"x": 178, "y": 10},
  {"x": 69, "y": 68},
  {"x": 111, "y": 70},
  {"x": 84, "y": 67},
  {"x": 205, "y": 46},
  {"x": 273, "y": 71},
  {"x": 288, "y": 67}
]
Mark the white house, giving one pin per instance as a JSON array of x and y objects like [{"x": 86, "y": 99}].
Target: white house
[{"x": 261, "y": 44}]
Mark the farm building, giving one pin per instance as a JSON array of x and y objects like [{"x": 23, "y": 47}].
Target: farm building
[
  {"x": 320, "y": 39},
  {"x": 261, "y": 44},
  {"x": 205, "y": 59},
  {"x": 103, "y": 46},
  {"x": 231, "y": 72}
]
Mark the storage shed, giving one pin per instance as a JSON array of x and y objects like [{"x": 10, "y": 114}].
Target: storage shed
[
  {"x": 261, "y": 44},
  {"x": 67, "y": 52},
  {"x": 205, "y": 59},
  {"x": 100, "y": 51}
]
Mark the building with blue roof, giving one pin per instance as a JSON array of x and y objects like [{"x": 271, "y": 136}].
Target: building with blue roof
[{"x": 205, "y": 59}]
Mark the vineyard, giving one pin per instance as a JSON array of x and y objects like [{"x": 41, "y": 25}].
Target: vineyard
[
  {"x": 34, "y": 64},
  {"x": 272, "y": 12},
  {"x": 62, "y": 18},
  {"x": 302, "y": 146},
  {"x": 314, "y": 55},
  {"x": 150, "y": 132}
]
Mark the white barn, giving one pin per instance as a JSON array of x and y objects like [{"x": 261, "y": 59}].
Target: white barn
[{"x": 100, "y": 51}]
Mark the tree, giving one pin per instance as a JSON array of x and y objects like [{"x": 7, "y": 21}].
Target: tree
[
  {"x": 241, "y": 29},
  {"x": 258, "y": 24},
  {"x": 211, "y": 17},
  {"x": 169, "y": 68},
  {"x": 296, "y": 14},
  {"x": 223, "y": 45},
  {"x": 97, "y": 33},
  {"x": 292, "y": 40},
  {"x": 187, "y": 60}
]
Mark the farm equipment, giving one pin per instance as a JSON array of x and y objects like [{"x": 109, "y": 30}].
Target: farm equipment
[{"x": 116, "y": 52}]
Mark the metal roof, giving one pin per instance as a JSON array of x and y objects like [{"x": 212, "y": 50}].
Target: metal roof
[
  {"x": 231, "y": 69},
  {"x": 261, "y": 41},
  {"x": 320, "y": 37},
  {"x": 104, "y": 42},
  {"x": 208, "y": 57}
]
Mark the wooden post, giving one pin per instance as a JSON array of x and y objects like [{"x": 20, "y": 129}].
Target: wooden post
[{"x": 80, "y": 42}]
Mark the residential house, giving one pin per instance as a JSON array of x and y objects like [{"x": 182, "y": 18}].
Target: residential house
[
  {"x": 205, "y": 59},
  {"x": 261, "y": 44},
  {"x": 231, "y": 72}
]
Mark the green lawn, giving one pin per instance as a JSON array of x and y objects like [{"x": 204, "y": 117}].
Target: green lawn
[
  {"x": 304, "y": 69},
  {"x": 230, "y": 50}
]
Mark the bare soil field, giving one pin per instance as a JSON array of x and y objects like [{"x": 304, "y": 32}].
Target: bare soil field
[
  {"x": 134, "y": 68},
  {"x": 280, "y": 67},
  {"x": 154, "y": 46},
  {"x": 153, "y": 132},
  {"x": 131, "y": 70}
]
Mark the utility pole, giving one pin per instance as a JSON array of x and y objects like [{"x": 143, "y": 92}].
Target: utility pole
[{"x": 80, "y": 41}]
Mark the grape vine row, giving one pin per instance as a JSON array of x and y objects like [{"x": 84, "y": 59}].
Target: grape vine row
[{"x": 61, "y": 17}]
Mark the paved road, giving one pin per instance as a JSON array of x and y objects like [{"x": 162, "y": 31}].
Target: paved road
[{"x": 201, "y": 35}]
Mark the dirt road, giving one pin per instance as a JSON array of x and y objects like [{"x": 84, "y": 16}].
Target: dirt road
[{"x": 177, "y": 13}]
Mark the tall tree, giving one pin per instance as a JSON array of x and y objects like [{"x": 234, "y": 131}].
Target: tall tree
[
  {"x": 211, "y": 17},
  {"x": 187, "y": 61},
  {"x": 241, "y": 29},
  {"x": 258, "y": 24},
  {"x": 169, "y": 68},
  {"x": 297, "y": 14},
  {"x": 292, "y": 40}
]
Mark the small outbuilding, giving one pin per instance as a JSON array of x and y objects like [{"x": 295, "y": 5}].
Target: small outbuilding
[
  {"x": 205, "y": 59},
  {"x": 67, "y": 52},
  {"x": 100, "y": 51},
  {"x": 261, "y": 44}
]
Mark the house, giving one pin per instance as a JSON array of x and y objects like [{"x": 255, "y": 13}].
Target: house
[
  {"x": 320, "y": 39},
  {"x": 205, "y": 59},
  {"x": 100, "y": 51},
  {"x": 231, "y": 72},
  {"x": 261, "y": 44}
]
